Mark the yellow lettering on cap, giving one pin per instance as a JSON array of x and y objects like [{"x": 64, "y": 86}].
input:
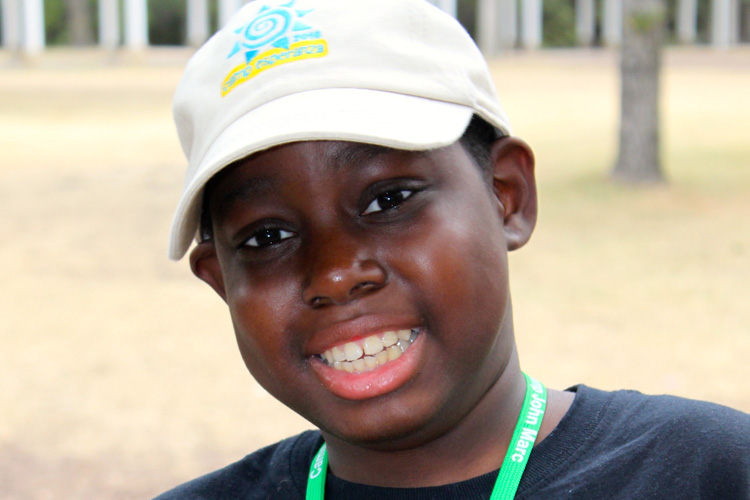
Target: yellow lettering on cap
[{"x": 270, "y": 59}]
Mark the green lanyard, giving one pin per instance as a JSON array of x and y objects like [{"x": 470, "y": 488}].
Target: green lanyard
[{"x": 524, "y": 435}]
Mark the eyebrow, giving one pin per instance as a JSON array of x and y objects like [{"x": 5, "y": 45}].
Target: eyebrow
[
  {"x": 243, "y": 191},
  {"x": 360, "y": 153}
]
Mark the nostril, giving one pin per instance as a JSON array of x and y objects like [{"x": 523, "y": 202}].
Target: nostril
[
  {"x": 319, "y": 301},
  {"x": 364, "y": 287}
]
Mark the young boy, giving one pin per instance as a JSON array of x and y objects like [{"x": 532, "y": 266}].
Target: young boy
[{"x": 355, "y": 190}]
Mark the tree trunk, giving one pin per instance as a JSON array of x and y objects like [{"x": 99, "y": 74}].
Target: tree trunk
[
  {"x": 638, "y": 160},
  {"x": 79, "y": 17}
]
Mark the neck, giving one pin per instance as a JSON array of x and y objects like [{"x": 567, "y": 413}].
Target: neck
[{"x": 474, "y": 446}]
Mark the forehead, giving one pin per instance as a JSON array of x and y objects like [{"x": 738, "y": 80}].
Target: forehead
[{"x": 336, "y": 154}]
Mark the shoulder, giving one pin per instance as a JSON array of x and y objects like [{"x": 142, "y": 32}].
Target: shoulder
[
  {"x": 692, "y": 419},
  {"x": 276, "y": 471},
  {"x": 624, "y": 445},
  {"x": 699, "y": 445}
]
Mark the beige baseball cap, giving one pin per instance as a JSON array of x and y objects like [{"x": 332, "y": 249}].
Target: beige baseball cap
[{"x": 396, "y": 73}]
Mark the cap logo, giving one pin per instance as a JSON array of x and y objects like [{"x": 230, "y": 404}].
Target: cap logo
[{"x": 277, "y": 35}]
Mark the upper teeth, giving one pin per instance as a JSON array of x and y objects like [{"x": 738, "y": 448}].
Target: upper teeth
[{"x": 373, "y": 351}]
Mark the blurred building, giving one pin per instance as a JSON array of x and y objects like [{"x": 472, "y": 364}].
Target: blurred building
[{"x": 496, "y": 24}]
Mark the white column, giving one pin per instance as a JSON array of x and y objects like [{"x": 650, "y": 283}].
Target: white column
[
  {"x": 197, "y": 22},
  {"x": 734, "y": 20},
  {"x": 585, "y": 22},
  {"x": 687, "y": 20},
  {"x": 507, "y": 24},
  {"x": 227, "y": 8},
  {"x": 11, "y": 11},
  {"x": 136, "y": 25},
  {"x": 612, "y": 20},
  {"x": 497, "y": 26},
  {"x": 531, "y": 23},
  {"x": 109, "y": 24},
  {"x": 487, "y": 26},
  {"x": 448, "y": 6},
  {"x": 32, "y": 27},
  {"x": 721, "y": 13}
]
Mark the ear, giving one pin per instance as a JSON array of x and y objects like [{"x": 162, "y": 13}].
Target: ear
[
  {"x": 514, "y": 186},
  {"x": 205, "y": 265}
]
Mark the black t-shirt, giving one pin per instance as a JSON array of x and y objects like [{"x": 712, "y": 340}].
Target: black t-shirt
[{"x": 610, "y": 445}]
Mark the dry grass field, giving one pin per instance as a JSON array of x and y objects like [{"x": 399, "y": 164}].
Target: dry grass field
[{"x": 118, "y": 372}]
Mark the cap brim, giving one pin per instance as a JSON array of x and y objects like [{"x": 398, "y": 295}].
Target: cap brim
[{"x": 359, "y": 115}]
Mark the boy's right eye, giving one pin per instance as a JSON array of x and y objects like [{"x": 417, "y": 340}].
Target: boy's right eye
[{"x": 267, "y": 237}]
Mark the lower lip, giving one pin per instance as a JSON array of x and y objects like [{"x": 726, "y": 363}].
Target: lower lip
[{"x": 382, "y": 380}]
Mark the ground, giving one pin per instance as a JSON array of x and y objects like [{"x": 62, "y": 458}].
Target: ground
[{"x": 119, "y": 376}]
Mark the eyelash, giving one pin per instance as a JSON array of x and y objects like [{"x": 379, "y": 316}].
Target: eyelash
[
  {"x": 272, "y": 233},
  {"x": 398, "y": 196}
]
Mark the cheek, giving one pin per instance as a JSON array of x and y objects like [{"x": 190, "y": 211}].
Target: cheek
[
  {"x": 260, "y": 314},
  {"x": 460, "y": 269}
]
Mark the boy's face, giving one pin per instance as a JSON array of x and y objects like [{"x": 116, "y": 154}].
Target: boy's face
[{"x": 322, "y": 244}]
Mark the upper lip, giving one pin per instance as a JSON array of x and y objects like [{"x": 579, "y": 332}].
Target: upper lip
[{"x": 357, "y": 328}]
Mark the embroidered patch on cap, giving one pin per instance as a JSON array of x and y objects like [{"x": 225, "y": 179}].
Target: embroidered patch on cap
[{"x": 277, "y": 35}]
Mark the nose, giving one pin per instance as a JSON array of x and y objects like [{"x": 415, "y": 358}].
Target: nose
[{"x": 340, "y": 272}]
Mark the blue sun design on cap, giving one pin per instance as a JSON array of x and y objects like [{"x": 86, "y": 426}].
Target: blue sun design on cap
[{"x": 270, "y": 27}]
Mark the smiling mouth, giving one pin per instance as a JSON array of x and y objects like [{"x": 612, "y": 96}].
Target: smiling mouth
[{"x": 369, "y": 353}]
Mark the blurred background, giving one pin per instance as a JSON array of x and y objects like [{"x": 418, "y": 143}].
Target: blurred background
[{"x": 119, "y": 376}]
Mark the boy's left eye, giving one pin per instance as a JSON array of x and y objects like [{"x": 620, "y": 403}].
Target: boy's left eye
[{"x": 388, "y": 200}]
